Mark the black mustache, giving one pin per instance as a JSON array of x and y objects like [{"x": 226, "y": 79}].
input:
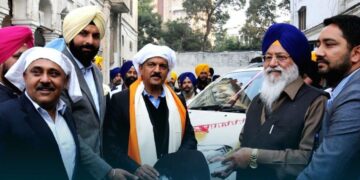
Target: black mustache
[
  {"x": 45, "y": 87},
  {"x": 322, "y": 60},
  {"x": 88, "y": 47},
  {"x": 156, "y": 75}
]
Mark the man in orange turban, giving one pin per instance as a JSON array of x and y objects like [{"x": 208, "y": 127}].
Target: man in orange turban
[{"x": 202, "y": 72}]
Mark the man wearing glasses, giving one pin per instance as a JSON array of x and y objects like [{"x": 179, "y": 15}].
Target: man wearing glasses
[{"x": 282, "y": 121}]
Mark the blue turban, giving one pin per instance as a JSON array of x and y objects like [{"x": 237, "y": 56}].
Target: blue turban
[
  {"x": 58, "y": 44},
  {"x": 114, "y": 72},
  {"x": 190, "y": 75},
  {"x": 292, "y": 40},
  {"x": 125, "y": 68}
]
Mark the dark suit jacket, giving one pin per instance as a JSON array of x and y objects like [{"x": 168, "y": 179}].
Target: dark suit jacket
[
  {"x": 28, "y": 149},
  {"x": 6, "y": 93},
  {"x": 338, "y": 156},
  {"x": 116, "y": 133}
]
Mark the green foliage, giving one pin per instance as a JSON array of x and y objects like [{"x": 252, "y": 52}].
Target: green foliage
[
  {"x": 260, "y": 15},
  {"x": 228, "y": 43},
  {"x": 285, "y": 4},
  {"x": 179, "y": 36},
  {"x": 211, "y": 13},
  {"x": 149, "y": 24}
]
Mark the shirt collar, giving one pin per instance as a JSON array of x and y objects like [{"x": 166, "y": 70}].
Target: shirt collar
[
  {"x": 147, "y": 94},
  {"x": 80, "y": 65},
  {"x": 60, "y": 107},
  {"x": 341, "y": 85},
  {"x": 292, "y": 88}
]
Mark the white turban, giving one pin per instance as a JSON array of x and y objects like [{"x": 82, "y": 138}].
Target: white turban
[
  {"x": 15, "y": 73},
  {"x": 78, "y": 19},
  {"x": 150, "y": 51}
]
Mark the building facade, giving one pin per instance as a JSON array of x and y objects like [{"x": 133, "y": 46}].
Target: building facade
[
  {"x": 129, "y": 33},
  {"x": 308, "y": 15},
  {"x": 45, "y": 18},
  {"x": 170, "y": 10}
]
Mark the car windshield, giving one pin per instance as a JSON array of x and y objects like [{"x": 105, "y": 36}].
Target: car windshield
[{"x": 232, "y": 93}]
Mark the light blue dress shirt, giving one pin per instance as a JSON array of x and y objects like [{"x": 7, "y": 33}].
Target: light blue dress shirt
[
  {"x": 153, "y": 100},
  {"x": 90, "y": 81},
  {"x": 61, "y": 133},
  {"x": 339, "y": 88}
]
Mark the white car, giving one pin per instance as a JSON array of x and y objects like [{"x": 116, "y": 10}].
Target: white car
[{"x": 218, "y": 119}]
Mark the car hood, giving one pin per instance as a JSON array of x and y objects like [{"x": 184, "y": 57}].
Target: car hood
[{"x": 214, "y": 128}]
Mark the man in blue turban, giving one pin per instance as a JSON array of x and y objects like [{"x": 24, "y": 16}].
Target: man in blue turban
[
  {"x": 187, "y": 83},
  {"x": 128, "y": 74},
  {"x": 115, "y": 78},
  {"x": 281, "y": 122}
]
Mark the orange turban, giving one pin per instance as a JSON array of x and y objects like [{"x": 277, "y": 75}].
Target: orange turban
[{"x": 200, "y": 68}]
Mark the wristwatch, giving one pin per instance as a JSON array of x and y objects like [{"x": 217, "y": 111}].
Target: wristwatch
[{"x": 253, "y": 158}]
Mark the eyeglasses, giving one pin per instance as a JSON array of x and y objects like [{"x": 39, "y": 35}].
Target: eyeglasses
[{"x": 278, "y": 58}]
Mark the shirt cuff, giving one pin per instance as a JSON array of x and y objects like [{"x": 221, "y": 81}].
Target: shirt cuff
[{"x": 265, "y": 156}]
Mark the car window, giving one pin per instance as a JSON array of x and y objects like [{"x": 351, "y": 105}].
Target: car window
[{"x": 219, "y": 93}]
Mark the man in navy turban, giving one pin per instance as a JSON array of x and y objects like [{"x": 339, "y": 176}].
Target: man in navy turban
[
  {"x": 281, "y": 122},
  {"x": 128, "y": 74},
  {"x": 187, "y": 82},
  {"x": 115, "y": 78}
]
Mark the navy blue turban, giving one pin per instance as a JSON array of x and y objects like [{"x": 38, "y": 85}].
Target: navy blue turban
[
  {"x": 125, "y": 68},
  {"x": 114, "y": 72},
  {"x": 190, "y": 75},
  {"x": 292, "y": 40}
]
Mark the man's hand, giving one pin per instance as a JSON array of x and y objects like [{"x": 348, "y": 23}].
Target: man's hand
[
  {"x": 147, "y": 172},
  {"x": 120, "y": 174},
  {"x": 239, "y": 159}
]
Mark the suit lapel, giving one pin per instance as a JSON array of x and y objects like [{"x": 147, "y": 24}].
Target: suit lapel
[
  {"x": 100, "y": 90},
  {"x": 71, "y": 124},
  {"x": 37, "y": 123},
  {"x": 83, "y": 85}
]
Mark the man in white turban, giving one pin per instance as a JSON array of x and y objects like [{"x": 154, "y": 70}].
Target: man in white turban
[
  {"x": 148, "y": 120},
  {"x": 83, "y": 28},
  {"x": 37, "y": 131}
]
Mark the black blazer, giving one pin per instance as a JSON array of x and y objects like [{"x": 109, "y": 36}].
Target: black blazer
[
  {"x": 28, "y": 149},
  {"x": 6, "y": 94},
  {"x": 117, "y": 129}
]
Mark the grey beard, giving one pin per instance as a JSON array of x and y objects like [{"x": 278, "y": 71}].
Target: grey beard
[{"x": 272, "y": 88}]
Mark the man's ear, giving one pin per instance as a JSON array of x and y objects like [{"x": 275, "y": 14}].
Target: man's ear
[{"x": 355, "y": 54}]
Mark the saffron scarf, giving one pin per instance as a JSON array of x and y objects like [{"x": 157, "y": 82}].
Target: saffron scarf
[{"x": 141, "y": 147}]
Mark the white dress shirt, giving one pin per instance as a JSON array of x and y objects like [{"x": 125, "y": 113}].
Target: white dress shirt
[
  {"x": 118, "y": 89},
  {"x": 62, "y": 134},
  {"x": 90, "y": 81}
]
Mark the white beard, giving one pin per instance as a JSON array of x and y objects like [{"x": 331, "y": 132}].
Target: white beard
[{"x": 272, "y": 87}]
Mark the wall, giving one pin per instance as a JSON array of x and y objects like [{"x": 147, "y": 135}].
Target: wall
[
  {"x": 222, "y": 62},
  {"x": 318, "y": 10}
]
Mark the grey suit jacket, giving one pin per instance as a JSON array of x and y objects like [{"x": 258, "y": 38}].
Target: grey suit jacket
[
  {"x": 88, "y": 122},
  {"x": 338, "y": 156}
]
